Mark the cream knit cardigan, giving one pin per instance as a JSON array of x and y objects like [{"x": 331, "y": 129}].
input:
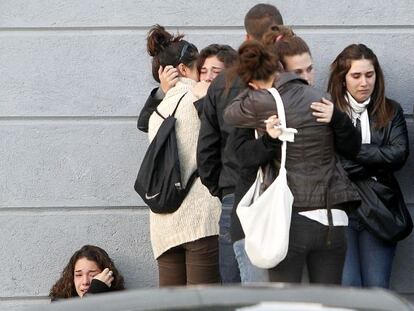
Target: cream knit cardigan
[{"x": 199, "y": 214}]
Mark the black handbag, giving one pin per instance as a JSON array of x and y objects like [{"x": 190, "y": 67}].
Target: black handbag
[{"x": 383, "y": 210}]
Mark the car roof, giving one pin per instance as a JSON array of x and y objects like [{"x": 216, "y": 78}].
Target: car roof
[{"x": 233, "y": 297}]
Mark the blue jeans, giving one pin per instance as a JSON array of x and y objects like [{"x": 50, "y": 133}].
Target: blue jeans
[
  {"x": 229, "y": 269},
  {"x": 368, "y": 259},
  {"x": 248, "y": 272}
]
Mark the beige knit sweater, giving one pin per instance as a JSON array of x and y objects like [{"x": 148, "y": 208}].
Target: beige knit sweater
[{"x": 199, "y": 214}]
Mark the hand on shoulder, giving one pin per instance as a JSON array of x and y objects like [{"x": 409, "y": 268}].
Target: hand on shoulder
[{"x": 323, "y": 110}]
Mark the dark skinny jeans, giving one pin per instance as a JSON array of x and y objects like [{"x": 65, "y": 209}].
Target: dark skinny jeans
[{"x": 321, "y": 248}]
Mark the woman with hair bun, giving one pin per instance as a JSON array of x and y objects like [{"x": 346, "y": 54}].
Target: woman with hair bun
[
  {"x": 212, "y": 59},
  {"x": 185, "y": 243},
  {"x": 90, "y": 270},
  {"x": 321, "y": 190}
]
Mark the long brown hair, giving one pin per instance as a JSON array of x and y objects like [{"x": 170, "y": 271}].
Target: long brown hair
[
  {"x": 65, "y": 286},
  {"x": 380, "y": 109}
]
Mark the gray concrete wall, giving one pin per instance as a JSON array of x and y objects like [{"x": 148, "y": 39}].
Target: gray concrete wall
[{"x": 74, "y": 75}]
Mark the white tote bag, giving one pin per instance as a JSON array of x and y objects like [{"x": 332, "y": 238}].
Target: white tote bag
[{"x": 265, "y": 218}]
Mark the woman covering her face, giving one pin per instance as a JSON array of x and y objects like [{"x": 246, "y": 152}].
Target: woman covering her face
[
  {"x": 357, "y": 87},
  {"x": 211, "y": 61},
  {"x": 184, "y": 243},
  {"x": 90, "y": 270}
]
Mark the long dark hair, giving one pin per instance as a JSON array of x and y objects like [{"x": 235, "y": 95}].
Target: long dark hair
[
  {"x": 65, "y": 286},
  {"x": 167, "y": 49},
  {"x": 382, "y": 111}
]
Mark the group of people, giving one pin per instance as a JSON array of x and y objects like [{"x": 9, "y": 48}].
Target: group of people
[{"x": 227, "y": 128}]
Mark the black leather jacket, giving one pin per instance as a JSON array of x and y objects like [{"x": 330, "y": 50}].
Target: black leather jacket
[
  {"x": 314, "y": 175},
  {"x": 387, "y": 152}
]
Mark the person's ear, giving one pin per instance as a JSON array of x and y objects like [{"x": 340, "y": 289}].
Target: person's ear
[
  {"x": 247, "y": 37},
  {"x": 183, "y": 70}
]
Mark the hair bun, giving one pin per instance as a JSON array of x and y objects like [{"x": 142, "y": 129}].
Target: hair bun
[
  {"x": 277, "y": 33},
  {"x": 158, "y": 39},
  {"x": 256, "y": 62},
  {"x": 252, "y": 55}
]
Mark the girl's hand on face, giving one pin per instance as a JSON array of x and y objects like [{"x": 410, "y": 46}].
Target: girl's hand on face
[
  {"x": 200, "y": 89},
  {"x": 272, "y": 129},
  {"x": 168, "y": 77},
  {"x": 323, "y": 110},
  {"x": 105, "y": 276}
]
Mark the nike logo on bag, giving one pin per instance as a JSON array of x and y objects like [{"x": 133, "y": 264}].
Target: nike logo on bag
[{"x": 149, "y": 197}]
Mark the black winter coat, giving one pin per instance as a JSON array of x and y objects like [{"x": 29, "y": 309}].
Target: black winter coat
[
  {"x": 217, "y": 165},
  {"x": 150, "y": 105},
  {"x": 387, "y": 152}
]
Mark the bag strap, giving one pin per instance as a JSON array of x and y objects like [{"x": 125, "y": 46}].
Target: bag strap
[
  {"x": 191, "y": 180},
  {"x": 260, "y": 172},
  {"x": 175, "y": 109},
  {"x": 282, "y": 117}
]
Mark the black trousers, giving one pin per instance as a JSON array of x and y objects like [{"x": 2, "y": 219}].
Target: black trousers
[{"x": 320, "y": 247}]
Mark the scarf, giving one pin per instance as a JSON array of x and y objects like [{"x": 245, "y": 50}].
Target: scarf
[{"x": 359, "y": 112}]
